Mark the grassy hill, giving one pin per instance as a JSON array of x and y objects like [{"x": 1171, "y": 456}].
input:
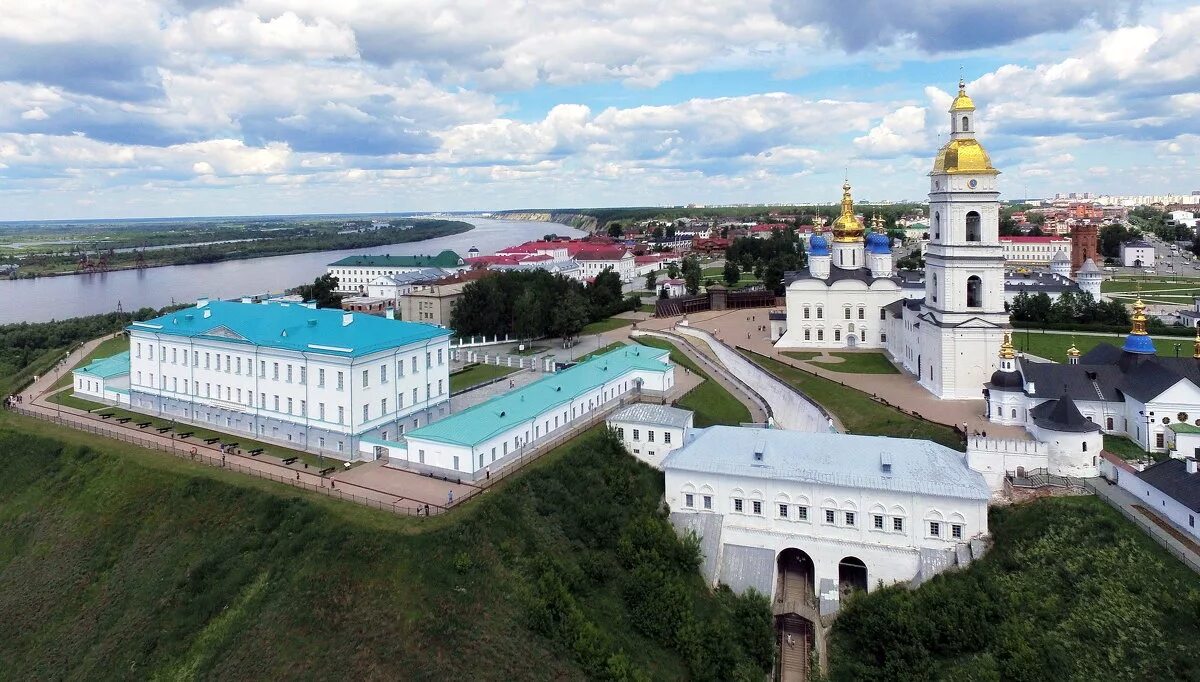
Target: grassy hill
[
  {"x": 119, "y": 563},
  {"x": 1071, "y": 591}
]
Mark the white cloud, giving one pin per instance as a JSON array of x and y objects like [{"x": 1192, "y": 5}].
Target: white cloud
[
  {"x": 242, "y": 32},
  {"x": 900, "y": 131}
]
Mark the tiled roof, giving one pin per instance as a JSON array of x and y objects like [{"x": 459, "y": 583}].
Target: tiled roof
[
  {"x": 646, "y": 413},
  {"x": 915, "y": 466},
  {"x": 1172, "y": 478},
  {"x": 481, "y": 422},
  {"x": 601, "y": 253},
  {"x": 291, "y": 327},
  {"x": 105, "y": 368},
  {"x": 445, "y": 259},
  {"x": 1062, "y": 415}
]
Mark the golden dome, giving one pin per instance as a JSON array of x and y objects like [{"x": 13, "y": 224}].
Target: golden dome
[
  {"x": 1139, "y": 318},
  {"x": 1072, "y": 352},
  {"x": 1007, "y": 352},
  {"x": 963, "y": 156},
  {"x": 962, "y": 102},
  {"x": 847, "y": 228},
  {"x": 1196, "y": 345}
]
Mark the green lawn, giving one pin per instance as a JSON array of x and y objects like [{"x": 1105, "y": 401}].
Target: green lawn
[
  {"x": 802, "y": 355},
  {"x": 601, "y": 350},
  {"x": 200, "y": 434},
  {"x": 856, "y": 410},
  {"x": 1070, "y": 590},
  {"x": 478, "y": 374},
  {"x": 859, "y": 363},
  {"x": 647, "y": 308},
  {"x": 711, "y": 402},
  {"x": 1126, "y": 449},
  {"x": 530, "y": 349},
  {"x": 114, "y": 558},
  {"x": 117, "y": 344},
  {"x": 606, "y": 325},
  {"x": 1054, "y": 346}
]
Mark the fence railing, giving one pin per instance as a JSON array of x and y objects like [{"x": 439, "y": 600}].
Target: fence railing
[{"x": 197, "y": 453}]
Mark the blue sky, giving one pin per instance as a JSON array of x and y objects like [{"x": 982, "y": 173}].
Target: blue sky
[{"x": 117, "y": 108}]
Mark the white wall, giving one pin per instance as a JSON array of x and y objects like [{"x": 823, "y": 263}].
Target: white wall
[{"x": 648, "y": 442}]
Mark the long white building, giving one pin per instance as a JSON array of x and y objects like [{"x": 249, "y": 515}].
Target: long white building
[
  {"x": 848, "y": 512},
  {"x": 313, "y": 379}
]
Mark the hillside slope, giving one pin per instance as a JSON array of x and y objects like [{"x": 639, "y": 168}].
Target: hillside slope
[{"x": 114, "y": 567}]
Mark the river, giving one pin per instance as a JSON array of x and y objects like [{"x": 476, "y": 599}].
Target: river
[{"x": 50, "y": 298}]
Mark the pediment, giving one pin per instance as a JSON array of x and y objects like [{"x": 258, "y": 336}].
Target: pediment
[{"x": 224, "y": 332}]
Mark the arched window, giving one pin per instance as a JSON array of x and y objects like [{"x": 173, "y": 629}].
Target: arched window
[
  {"x": 974, "y": 292},
  {"x": 937, "y": 225},
  {"x": 934, "y": 289},
  {"x": 974, "y": 231},
  {"x": 966, "y": 125}
]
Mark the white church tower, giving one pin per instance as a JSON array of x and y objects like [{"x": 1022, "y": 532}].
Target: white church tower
[{"x": 963, "y": 320}]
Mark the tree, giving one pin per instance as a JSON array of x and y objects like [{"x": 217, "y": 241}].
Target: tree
[
  {"x": 570, "y": 316},
  {"x": 772, "y": 277},
  {"x": 604, "y": 295},
  {"x": 731, "y": 273},
  {"x": 672, "y": 270},
  {"x": 321, "y": 291},
  {"x": 615, "y": 231},
  {"x": 691, "y": 280},
  {"x": 657, "y": 233},
  {"x": 651, "y": 280},
  {"x": 1111, "y": 238},
  {"x": 528, "y": 321}
]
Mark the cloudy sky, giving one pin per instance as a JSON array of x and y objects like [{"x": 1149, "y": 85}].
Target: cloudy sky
[{"x": 113, "y": 108}]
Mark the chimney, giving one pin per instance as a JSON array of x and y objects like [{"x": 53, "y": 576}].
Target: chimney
[
  {"x": 759, "y": 448},
  {"x": 347, "y": 318},
  {"x": 207, "y": 314},
  {"x": 1190, "y": 462}
]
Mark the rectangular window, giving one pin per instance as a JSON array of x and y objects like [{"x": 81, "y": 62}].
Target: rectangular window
[
  {"x": 708, "y": 501},
  {"x": 428, "y": 360},
  {"x": 303, "y": 374},
  {"x": 820, "y": 313},
  {"x": 262, "y": 400},
  {"x": 289, "y": 373},
  {"x": 849, "y": 518},
  {"x": 667, "y": 437},
  {"x": 415, "y": 396},
  {"x": 321, "y": 411},
  {"x": 878, "y": 521},
  {"x": 756, "y": 507},
  {"x": 820, "y": 334},
  {"x": 383, "y": 406},
  {"x": 861, "y": 312},
  {"x": 956, "y": 531},
  {"x": 289, "y": 405},
  {"x": 262, "y": 369},
  {"x": 830, "y": 516},
  {"x": 439, "y": 386},
  {"x": 151, "y": 349},
  {"x": 275, "y": 371},
  {"x": 383, "y": 374},
  {"x": 139, "y": 350},
  {"x": 637, "y": 434},
  {"x": 882, "y": 314},
  {"x": 303, "y": 408},
  {"x": 847, "y": 313},
  {"x": 783, "y": 512},
  {"x": 935, "y": 529},
  {"x": 366, "y": 412},
  {"x": 689, "y": 500},
  {"x": 341, "y": 414},
  {"x": 807, "y": 334},
  {"x": 366, "y": 381},
  {"x": 837, "y": 334},
  {"x": 806, "y": 315},
  {"x": 898, "y": 524},
  {"x": 174, "y": 356},
  {"x": 228, "y": 364},
  {"x": 276, "y": 403},
  {"x": 649, "y": 436},
  {"x": 737, "y": 504},
  {"x": 399, "y": 401},
  {"x": 802, "y": 513},
  {"x": 239, "y": 364},
  {"x": 439, "y": 353},
  {"x": 414, "y": 364}
]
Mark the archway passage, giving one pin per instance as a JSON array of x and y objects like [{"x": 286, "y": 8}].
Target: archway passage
[
  {"x": 797, "y": 576},
  {"x": 852, "y": 575}
]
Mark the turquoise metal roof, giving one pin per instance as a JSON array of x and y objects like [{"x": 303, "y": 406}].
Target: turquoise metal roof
[
  {"x": 105, "y": 368},
  {"x": 445, "y": 259},
  {"x": 480, "y": 423},
  {"x": 291, "y": 326}
]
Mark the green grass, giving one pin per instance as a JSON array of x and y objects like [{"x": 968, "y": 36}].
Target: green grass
[
  {"x": 478, "y": 374},
  {"x": 601, "y": 350},
  {"x": 1126, "y": 449},
  {"x": 712, "y": 402},
  {"x": 647, "y": 308},
  {"x": 606, "y": 325},
  {"x": 117, "y": 344},
  {"x": 855, "y": 409},
  {"x": 200, "y": 434},
  {"x": 1054, "y": 346},
  {"x": 530, "y": 350},
  {"x": 1071, "y": 590},
  {"x": 859, "y": 363},
  {"x": 802, "y": 355},
  {"x": 113, "y": 558}
]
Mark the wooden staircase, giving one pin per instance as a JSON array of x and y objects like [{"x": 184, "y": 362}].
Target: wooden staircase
[{"x": 795, "y": 611}]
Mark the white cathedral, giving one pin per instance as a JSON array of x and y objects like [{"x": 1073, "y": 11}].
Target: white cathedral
[{"x": 946, "y": 333}]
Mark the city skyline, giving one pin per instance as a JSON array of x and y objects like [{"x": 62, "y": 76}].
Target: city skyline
[{"x": 270, "y": 107}]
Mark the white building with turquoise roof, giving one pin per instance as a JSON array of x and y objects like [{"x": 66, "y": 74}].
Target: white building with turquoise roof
[{"x": 312, "y": 379}]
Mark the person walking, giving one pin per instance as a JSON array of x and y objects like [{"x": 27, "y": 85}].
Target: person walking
[
  {"x": 449, "y": 497},
  {"x": 488, "y": 472}
]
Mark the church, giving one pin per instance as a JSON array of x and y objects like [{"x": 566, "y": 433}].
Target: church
[{"x": 946, "y": 327}]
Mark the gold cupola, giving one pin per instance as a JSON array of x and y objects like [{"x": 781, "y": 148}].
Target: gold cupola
[
  {"x": 963, "y": 154},
  {"x": 847, "y": 228},
  {"x": 1196, "y": 345},
  {"x": 1007, "y": 352}
]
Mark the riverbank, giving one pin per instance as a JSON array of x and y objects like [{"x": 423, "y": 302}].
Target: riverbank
[{"x": 37, "y": 266}]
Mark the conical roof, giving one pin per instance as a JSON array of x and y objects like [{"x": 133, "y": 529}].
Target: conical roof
[
  {"x": 1062, "y": 415},
  {"x": 1089, "y": 266}
]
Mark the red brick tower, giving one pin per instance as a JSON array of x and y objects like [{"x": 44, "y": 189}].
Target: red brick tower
[{"x": 1085, "y": 244}]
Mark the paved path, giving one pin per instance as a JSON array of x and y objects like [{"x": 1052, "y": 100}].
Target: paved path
[
  {"x": 1123, "y": 501},
  {"x": 473, "y": 397},
  {"x": 716, "y": 372},
  {"x": 902, "y": 390}
]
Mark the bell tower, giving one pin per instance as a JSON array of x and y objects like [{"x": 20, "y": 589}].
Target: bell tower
[{"x": 963, "y": 316}]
